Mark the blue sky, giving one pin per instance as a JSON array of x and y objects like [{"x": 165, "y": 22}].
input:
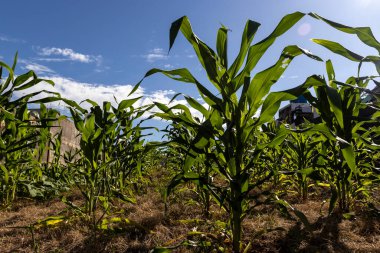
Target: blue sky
[{"x": 97, "y": 49}]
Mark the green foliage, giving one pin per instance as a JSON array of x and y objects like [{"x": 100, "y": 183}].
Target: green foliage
[
  {"x": 339, "y": 104},
  {"x": 301, "y": 155},
  {"x": 230, "y": 153},
  {"x": 21, "y": 132},
  {"x": 111, "y": 152},
  {"x": 227, "y": 134}
]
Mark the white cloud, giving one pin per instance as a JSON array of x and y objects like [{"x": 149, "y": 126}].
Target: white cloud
[
  {"x": 38, "y": 68},
  {"x": 168, "y": 66},
  {"x": 155, "y": 55},
  {"x": 69, "y": 54},
  {"x": 79, "y": 91}
]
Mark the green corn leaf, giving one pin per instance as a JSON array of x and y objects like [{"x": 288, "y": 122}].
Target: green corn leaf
[
  {"x": 247, "y": 37},
  {"x": 10, "y": 70},
  {"x": 256, "y": 51},
  {"x": 323, "y": 129},
  {"x": 15, "y": 61},
  {"x": 91, "y": 102},
  {"x": 339, "y": 49},
  {"x": 375, "y": 60},
  {"x": 196, "y": 105},
  {"x": 23, "y": 78},
  {"x": 263, "y": 81},
  {"x": 185, "y": 111},
  {"x": 184, "y": 75},
  {"x": 335, "y": 102},
  {"x": 348, "y": 153},
  {"x": 279, "y": 138},
  {"x": 127, "y": 103},
  {"x": 330, "y": 71},
  {"x": 201, "y": 143},
  {"x": 221, "y": 45},
  {"x": 5, "y": 176},
  {"x": 205, "y": 54},
  {"x": 134, "y": 89},
  {"x": 364, "y": 33}
]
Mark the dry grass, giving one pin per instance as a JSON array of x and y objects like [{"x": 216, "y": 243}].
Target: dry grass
[{"x": 326, "y": 234}]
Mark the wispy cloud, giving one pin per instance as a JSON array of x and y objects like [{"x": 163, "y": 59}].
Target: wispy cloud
[
  {"x": 68, "y": 54},
  {"x": 168, "y": 66},
  {"x": 155, "y": 55},
  {"x": 7, "y": 38},
  {"x": 38, "y": 68},
  {"x": 101, "y": 69},
  {"x": 51, "y": 59}
]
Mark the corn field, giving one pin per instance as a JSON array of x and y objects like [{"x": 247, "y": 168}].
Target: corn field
[{"x": 235, "y": 158}]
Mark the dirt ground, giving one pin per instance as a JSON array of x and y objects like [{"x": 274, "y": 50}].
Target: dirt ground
[{"x": 151, "y": 227}]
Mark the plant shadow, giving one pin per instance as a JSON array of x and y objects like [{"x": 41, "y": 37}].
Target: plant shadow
[{"x": 322, "y": 236}]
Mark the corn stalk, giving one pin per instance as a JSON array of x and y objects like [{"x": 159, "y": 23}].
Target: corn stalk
[{"x": 227, "y": 134}]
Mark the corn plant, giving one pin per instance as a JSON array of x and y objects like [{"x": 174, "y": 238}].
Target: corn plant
[
  {"x": 20, "y": 133},
  {"x": 366, "y": 36},
  {"x": 301, "y": 153},
  {"x": 227, "y": 134},
  {"x": 128, "y": 152},
  {"x": 274, "y": 155},
  {"x": 15, "y": 165},
  {"x": 111, "y": 148},
  {"x": 179, "y": 140},
  {"x": 339, "y": 108}
]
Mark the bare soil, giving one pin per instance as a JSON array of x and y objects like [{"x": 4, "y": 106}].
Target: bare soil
[{"x": 152, "y": 227}]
